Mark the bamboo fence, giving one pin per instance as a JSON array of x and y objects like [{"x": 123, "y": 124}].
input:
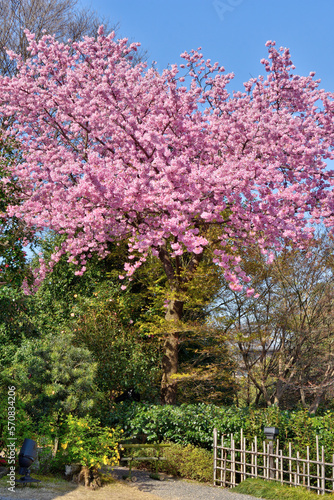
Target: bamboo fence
[{"x": 233, "y": 464}]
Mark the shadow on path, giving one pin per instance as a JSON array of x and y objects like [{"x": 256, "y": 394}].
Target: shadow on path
[{"x": 171, "y": 488}]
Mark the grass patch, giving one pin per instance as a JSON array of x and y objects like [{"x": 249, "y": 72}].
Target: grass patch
[
  {"x": 56, "y": 483},
  {"x": 274, "y": 490}
]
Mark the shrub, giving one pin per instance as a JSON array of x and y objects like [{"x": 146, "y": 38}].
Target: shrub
[
  {"x": 86, "y": 443},
  {"x": 184, "y": 461},
  {"x": 195, "y": 463},
  {"x": 185, "y": 424}
]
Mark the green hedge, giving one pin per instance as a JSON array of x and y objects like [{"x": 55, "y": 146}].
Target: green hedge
[{"x": 193, "y": 424}]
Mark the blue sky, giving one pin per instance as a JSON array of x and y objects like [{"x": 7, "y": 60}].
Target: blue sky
[{"x": 232, "y": 32}]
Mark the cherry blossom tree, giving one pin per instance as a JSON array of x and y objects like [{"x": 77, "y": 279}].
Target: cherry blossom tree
[
  {"x": 169, "y": 161},
  {"x": 65, "y": 19}
]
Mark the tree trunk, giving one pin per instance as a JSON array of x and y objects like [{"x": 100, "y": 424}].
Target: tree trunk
[
  {"x": 89, "y": 477},
  {"x": 171, "y": 354},
  {"x": 316, "y": 402},
  {"x": 302, "y": 397},
  {"x": 55, "y": 447},
  {"x": 173, "y": 314},
  {"x": 266, "y": 396},
  {"x": 280, "y": 389}
]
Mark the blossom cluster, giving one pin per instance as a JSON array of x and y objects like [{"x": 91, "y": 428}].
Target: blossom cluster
[{"x": 112, "y": 151}]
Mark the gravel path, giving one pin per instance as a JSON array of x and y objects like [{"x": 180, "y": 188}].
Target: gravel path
[
  {"x": 178, "y": 489},
  {"x": 144, "y": 488}
]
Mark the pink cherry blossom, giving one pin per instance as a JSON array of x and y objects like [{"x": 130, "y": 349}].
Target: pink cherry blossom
[{"x": 113, "y": 151}]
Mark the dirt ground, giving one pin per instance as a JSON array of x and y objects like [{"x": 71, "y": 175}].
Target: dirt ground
[{"x": 64, "y": 490}]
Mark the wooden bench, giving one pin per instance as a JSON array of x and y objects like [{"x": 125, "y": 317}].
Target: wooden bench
[{"x": 135, "y": 447}]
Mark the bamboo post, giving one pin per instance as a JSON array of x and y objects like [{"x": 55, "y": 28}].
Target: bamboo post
[
  {"x": 242, "y": 466},
  {"x": 225, "y": 465},
  {"x": 229, "y": 461},
  {"x": 318, "y": 468},
  {"x": 333, "y": 472},
  {"x": 303, "y": 473},
  {"x": 323, "y": 471},
  {"x": 297, "y": 469},
  {"x": 308, "y": 467},
  {"x": 245, "y": 457},
  {"x": 252, "y": 462},
  {"x": 277, "y": 460},
  {"x": 290, "y": 463},
  {"x": 232, "y": 461},
  {"x": 214, "y": 456},
  {"x": 281, "y": 460},
  {"x": 255, "y": 456},
  {"x": 222, "y": 463}
]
